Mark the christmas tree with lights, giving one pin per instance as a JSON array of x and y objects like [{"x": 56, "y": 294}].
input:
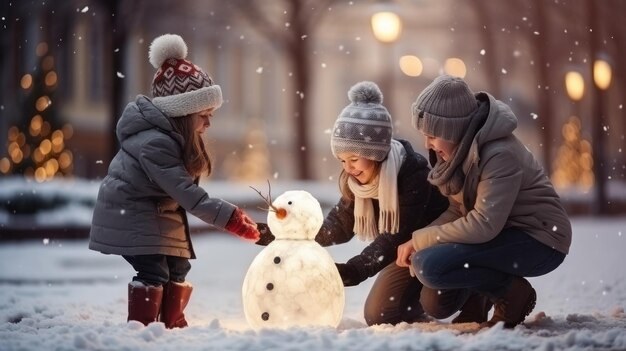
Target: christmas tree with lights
[
  {"x": 573, "y": 165},
  {"x": 36, "y": 145}
]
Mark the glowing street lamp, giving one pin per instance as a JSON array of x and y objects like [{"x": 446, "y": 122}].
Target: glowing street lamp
[
  {"x": 455, "y": 67},
  {"x": 387, "y": 26},
  {"x": 574, "y": 85},
  {"x": 602, "y": 74},
  {"x": 411, "y": 65},
  {"x": 573, "y": 164}
]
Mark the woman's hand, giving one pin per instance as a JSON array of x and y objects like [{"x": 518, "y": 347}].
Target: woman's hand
[{"x": 405, "y": 253}]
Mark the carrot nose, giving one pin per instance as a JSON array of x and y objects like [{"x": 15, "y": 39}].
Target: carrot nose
[{"x": 281, "y": 213}]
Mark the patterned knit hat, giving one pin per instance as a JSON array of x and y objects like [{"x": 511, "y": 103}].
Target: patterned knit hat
[
  {"x": 179, "y": 87},
  {"x": 364, "y": 126},
  {"x": 444, "y": 108}
]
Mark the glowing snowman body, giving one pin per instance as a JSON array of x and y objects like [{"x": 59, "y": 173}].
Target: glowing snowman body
[{"x": 293, "y": 282}]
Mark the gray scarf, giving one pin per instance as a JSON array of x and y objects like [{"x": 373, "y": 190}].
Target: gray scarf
[{"x": 448, "y": 175}]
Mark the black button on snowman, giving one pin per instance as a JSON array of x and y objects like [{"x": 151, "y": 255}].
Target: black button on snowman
[{"x": 293, "y": 282}]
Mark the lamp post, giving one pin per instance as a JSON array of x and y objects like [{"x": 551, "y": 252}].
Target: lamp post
[
  {"x": 602, "y": 75},
  {"x": 387, "y": 26},
  {"x": 574, "y": 164},
  {"x": 574, "y": 85}
]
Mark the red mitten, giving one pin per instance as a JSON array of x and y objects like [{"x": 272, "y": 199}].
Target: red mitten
[{"x": 242, "y": 225}]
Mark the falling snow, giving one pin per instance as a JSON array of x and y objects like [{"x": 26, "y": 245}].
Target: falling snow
[{"x": 57, "y": 294}]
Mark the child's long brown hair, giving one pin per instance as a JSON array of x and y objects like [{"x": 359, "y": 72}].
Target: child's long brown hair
[{"x": 195, "y": 156}]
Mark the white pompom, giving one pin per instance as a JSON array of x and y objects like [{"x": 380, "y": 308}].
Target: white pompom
[
  {"x": 365, "y": 92},
  {"x": 165, "y": 47}
]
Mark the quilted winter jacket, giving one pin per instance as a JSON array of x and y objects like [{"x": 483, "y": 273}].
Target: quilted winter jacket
[
  {"x": 142, "y": 202},
  {"x": 419, "y": 204},
  {"x": 504, "y": 187}
]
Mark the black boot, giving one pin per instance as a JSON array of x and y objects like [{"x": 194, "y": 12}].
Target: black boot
[
  {"x": 516, "y": 303},
  {"x": 475, "y": 309},
  {"x": 144, "y": 302}
]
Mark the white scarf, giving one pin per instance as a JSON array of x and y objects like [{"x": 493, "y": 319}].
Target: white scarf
[{"x": 384, "y": 188}]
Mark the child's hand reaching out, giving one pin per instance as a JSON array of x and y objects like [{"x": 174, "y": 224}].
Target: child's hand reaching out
[{"x": 242, "y": 225}]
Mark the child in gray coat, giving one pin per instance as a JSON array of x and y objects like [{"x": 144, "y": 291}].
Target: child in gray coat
[{"x": 152, "y": 182}]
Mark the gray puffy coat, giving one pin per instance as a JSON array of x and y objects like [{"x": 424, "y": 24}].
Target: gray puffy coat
[
  {"x": 504, "y": 187},
  {"x": 142, "y": 202}
]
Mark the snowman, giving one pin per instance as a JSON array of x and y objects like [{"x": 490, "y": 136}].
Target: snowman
[{"x": 293, "y": 282}]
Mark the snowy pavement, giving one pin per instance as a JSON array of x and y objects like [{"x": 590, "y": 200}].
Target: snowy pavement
[{"x": 58, "y": 295}]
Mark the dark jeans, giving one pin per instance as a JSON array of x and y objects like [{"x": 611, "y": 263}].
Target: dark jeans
[
  {"x": 159, "y": 269},
  {"x": 397, "y": 297},
  {"x": 487, "y": 268}
]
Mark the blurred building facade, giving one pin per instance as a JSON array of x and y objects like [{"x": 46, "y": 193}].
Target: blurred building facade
[{"x": 520, "y": 51}]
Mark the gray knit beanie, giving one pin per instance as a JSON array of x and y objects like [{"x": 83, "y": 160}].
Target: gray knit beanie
[
  {"x": 179, "y": 87},
  {"x": 364, "y": 126},
  {"x": 444, "y": 108}
]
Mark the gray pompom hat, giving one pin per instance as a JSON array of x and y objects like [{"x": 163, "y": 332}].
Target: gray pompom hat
[
  {"x": 364, "y": 126},
  {"x": 444, "y": 108}
]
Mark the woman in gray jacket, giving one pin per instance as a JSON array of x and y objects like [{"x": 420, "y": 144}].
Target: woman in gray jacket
[
  {"x": 152, "y": 182},
  {"x": 505, "y": 220}
]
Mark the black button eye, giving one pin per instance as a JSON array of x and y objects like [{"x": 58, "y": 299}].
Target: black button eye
[{"x": 290, "y": 203}]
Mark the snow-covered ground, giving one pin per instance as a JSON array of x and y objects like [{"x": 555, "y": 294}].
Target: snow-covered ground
[{"x": 58, "y": 295}]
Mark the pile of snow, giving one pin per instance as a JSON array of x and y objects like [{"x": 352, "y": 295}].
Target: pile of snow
[
  {"x": 58, "y": 295},
  {"x": 25, "y": 203}
]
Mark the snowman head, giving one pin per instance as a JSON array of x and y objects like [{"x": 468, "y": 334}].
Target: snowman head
[{"x": 295, "y": 214}]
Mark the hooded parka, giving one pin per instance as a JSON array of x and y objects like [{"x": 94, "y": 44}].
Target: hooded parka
[
  {"x": 142, "y": 202},
  {"x": 504, "y": 187}
]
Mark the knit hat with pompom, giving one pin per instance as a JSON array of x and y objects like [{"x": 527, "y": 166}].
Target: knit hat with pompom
[
  {"x": 179, "y": 87},
  {"x": 364, "y": 126}
]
